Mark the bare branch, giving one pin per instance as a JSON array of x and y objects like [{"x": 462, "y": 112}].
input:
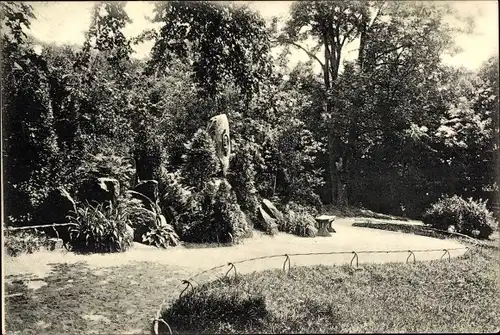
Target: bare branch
[
  {"x": 385, "y": 52},
  {"x": 346, "y": 35},
  {"x": 379, "y": 9},
  {"x": 297, "y": 45}
]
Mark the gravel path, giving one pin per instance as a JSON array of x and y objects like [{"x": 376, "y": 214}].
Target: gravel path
[{"x": 346, "y": 239}]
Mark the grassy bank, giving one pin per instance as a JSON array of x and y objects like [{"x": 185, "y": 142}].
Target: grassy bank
[
  {"x": 437, "y": 296},
  {"x": 358, "y": 212},
  {"x": 427, "y": 231}
]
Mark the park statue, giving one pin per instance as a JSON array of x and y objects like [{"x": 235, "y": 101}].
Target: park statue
[{"x": 218, "y": 128}]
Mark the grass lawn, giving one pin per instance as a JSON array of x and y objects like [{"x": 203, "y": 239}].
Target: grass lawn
[{"x": 438, "y": 296}]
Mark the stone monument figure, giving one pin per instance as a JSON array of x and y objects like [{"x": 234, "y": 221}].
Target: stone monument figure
[{"x": 218, "y": 128}]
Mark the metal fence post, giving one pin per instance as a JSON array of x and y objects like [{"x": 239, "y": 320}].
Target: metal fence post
[
  {"x": 287, "y": 260},
  {"x": 355, "y": 257}
]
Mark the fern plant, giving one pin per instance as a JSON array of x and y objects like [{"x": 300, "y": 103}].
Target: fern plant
[{"x": 149, "y": 226}]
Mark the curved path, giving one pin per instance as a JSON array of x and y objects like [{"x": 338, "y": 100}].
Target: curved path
[
  {"x": 120, "y": 293},
  {"x": 346, "y": 239}
]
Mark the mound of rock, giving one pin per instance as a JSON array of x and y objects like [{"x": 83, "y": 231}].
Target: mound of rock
[
  {"x": 268, "y": 223},
  {"x": 56, "y": 209},
  {"x": 96, "y": 191}
]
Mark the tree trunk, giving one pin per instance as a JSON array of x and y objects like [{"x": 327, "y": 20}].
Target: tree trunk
[
  {"x": 362, "y": 43},
  {"x": 326, "y": 71}
]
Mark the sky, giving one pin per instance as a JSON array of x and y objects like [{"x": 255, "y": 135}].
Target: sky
[{"x": 66, "y": 22}]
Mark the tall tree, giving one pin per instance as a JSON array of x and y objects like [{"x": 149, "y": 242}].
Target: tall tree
[
  {"x": 223, "y": 44},
  {"x": 30, "y": 147},
  {"x": 397, "y": 41}
]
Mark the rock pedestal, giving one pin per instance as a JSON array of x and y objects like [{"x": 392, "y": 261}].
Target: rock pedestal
[
  {"x": 149, "y": 189},
  {"x": 97, "y": 191},
  {"x": 268, "y": 223},
  {"x": 54, "y": 243},
  {"x": 56, "y": 209},
  {"x": 272, "y": 210}
]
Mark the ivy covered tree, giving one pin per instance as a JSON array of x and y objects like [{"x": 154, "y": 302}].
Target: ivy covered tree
[{"x": 30, "y": 146}]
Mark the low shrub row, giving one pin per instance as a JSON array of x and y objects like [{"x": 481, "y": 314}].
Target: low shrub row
[
  {"x": 466, "y": 216},
  {"x": 23, "y": 241}
]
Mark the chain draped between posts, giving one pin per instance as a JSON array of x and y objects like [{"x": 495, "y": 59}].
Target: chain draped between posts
[
  {"x": 355, "y": 257},
  {"x": 287, "y": 260},
  {"x": 287, "y": 265},
  {"x": 188, "y": 282},
  {"x": 232, "y": 267},
  {"x": 446, "y": 252}
]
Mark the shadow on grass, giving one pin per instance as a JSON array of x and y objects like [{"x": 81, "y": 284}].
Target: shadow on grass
[{"x": 79, "y": 300}]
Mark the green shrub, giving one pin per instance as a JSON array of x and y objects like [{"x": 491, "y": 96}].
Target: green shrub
[
  {"x": 201, "y": 162},
  {"x": 109, "y": 165},
  {"x": 22, "y": 241},
  {"x": 147, "y": 224},
  {"x": 241, "y": 176},
  {"x": 101, "y": 229},
  {"x": 215, "y": 217},
  {"x": 297, "y": 218},
  {"x": 470, "y": 217},
  {"x": 297, "y": 175},
  {"x": 175, "y": 199},
  {"x": 242, "y": 172}
]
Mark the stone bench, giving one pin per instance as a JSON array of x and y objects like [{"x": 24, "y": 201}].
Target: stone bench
[
  {"x": 54, "y": 243},
  {"x": 325, "y": 225}
]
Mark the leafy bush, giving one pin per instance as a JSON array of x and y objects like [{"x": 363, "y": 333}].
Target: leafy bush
[
  {"x": 242, "y": 178},
  {"x": 147, "y": 224},
  {"x": 101, "y": 229},
  {"x": 297, "y": 218},
  {"x": 109, "y": 165},
  {"x": 175, "y": 198},
  {"x": 22, "y": 241},
  {"x": 215, "y": 217},
  {"x": 201, "y": 162},
  {"x": 298, "y": 177},
  {"x": 161, "y": 236},
  {"x": 470, "y": 217}
]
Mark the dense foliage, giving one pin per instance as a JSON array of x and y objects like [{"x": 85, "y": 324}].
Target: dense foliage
[
  {"x": 297, "y": 220},
  {"x": 101, "y": 229},
  {"x": 391, "y": 130},
  {"x": 467, "y": 216},
  {"x": 22, "y": 241}
]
